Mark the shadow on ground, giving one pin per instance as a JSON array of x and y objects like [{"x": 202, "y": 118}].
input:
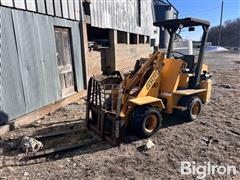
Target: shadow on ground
[
  {"x": 168, "y": 121},
  {"x": 77, "y": 132}
]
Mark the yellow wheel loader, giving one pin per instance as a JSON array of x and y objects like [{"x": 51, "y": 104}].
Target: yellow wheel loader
[{"x": 160, "y": 84}]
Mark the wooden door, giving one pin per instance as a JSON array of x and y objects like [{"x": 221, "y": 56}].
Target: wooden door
[{"x": 64, "y": 58}]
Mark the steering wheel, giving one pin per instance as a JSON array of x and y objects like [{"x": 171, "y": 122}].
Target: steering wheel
[{"x": 177, "y": 52}]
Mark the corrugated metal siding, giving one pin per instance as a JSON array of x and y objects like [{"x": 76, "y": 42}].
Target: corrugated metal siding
[
  {"x": 61, "y": 8},
  {"x": 30, "y": 78},
  {"x": 7, "y": 3},
  {"x": 41, "y": 6},
  {"x": 48, "y": 59},
  {"x": 30, "y": 65},
  {"x": 19, "y": 4},
  {"x": 122, "y": 15},
  {"x": 49, "y": 4},
  {"x": 0, "y": 59},
  {"x": 65, "y": 8},
  {"x": 71, "y": 9},
  {"x": 31, "y": 5},
  {"x": 12, "y": 95},
  {"x": 58, "y": 10},
  {"x": 77, "y": 9}
]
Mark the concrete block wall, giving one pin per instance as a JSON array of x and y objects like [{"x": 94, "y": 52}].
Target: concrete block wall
[
  {"x": 94, "y": 63},
  {"x": 127, "y": 54},
  {"x": 119, "y": 56}
]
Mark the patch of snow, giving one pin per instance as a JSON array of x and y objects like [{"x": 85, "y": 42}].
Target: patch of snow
[{"x": 215, "y": 49}]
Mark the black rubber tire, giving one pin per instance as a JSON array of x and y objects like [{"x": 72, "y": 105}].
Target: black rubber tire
[
  {"x": 139, "y": 118},
  {"x": 189, "y": 102}
]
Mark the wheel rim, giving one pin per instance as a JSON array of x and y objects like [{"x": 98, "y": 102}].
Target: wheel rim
[
  {"x": 151, "y": 123},
  {"x": 196, "y": 109}
]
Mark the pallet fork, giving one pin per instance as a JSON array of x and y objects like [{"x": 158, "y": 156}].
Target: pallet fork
[{"x": 101, "y": 118}]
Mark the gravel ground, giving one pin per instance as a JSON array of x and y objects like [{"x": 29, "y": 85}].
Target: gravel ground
[{"x": 214, "y": 138}]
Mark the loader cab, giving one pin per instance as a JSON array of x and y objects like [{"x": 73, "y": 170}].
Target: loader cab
[{"x": 194, "y": 65}]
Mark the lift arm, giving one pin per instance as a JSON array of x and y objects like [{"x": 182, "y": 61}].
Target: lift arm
[{"x": 130, "y": 82}]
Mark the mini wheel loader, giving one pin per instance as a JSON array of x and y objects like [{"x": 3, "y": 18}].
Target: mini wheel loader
[{"x": 160, "y": 84}]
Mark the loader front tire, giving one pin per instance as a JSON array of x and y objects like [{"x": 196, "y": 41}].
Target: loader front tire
[
  {"x": 146, "y": 121},
  {"x": 194, "y": 107}
]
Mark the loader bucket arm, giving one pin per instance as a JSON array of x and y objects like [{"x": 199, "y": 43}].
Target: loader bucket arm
[
  {"x": 137, "y": 77},
  {"x": 131, "y": 82}
]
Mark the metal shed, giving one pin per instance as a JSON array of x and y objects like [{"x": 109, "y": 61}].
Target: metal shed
[
  {"x": 123, "y": 15},
  {"x": 30, "y": 73}
]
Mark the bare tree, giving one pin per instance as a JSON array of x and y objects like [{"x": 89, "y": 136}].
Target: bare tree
[{"x": 230, "y": 34}]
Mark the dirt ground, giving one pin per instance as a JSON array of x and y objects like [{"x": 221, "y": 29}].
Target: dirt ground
[{"x": 214, "y": 137}]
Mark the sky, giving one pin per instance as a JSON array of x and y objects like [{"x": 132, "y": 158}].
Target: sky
[{"x": 208, "y": 10}]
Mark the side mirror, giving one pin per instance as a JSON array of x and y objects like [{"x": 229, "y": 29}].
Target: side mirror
[{"x": 191, "y": 29}]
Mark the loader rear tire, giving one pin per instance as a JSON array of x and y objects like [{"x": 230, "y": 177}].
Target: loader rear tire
[{"x": 146, "y": 121}]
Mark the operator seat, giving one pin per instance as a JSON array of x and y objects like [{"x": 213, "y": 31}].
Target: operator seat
[{"x": 189, "y": 59}]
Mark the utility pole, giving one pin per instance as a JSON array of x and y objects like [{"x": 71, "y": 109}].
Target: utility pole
[{"x": 220, "y": 30}]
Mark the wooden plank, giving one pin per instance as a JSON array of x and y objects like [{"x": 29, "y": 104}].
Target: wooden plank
[
  {"x": 62, "y": 149},
  {"x": 65, "y": 69},
  {"x": 59, "y": 46},
  {"x": 73, "y": 122},
  {"x": 68, "y": 91},
  {"x": 69, "y": 79},
  {"x": 62, "y": 81},
  {"x": 40, "y": 113},
  {"x": 54, "y": 134},
  {"x": 67, "y": 46},
  {"x": 65, "y": 61},
  {"x": 87, "y": 19}
]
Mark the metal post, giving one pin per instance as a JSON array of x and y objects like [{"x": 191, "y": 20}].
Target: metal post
[
  {"x": 194, "y": 82},
  {"x": 170, "y": 43},
  {"x": 220, "y": 30}
]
